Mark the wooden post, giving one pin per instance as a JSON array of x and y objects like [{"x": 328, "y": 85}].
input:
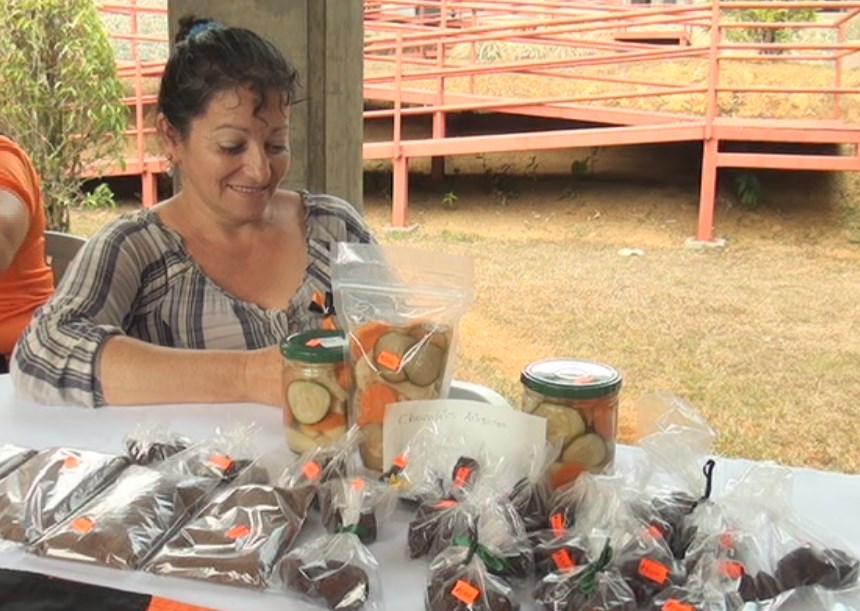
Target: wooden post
[{"x": 708, "y": 191}]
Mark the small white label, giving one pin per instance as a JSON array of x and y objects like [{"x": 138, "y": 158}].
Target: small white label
[
  {"x": 502, "y": 433},
  {"x": 332, "y": 342}
]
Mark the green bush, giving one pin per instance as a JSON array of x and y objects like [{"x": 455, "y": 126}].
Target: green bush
[
  {"x": 60, "y": 96},
  {"x": 100, "y": 197},
  {"x": 767, "y": 15}
]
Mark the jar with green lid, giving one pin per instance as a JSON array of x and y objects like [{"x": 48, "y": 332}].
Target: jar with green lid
[
  {"x": 579, "y": 400},
  {"x": 316, "y": 387}
]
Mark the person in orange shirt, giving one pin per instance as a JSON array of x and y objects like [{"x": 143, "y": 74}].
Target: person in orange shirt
[{"x": 26, "y": 280}]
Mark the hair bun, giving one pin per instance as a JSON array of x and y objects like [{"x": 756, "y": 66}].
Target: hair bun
[{"x": 191, "y": 26}]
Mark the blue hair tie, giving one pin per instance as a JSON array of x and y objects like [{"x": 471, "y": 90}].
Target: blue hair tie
[{"x": 203, "y": 26}]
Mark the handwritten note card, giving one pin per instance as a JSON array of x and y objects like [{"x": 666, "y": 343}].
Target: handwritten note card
[{"x": 502, "y": 433}]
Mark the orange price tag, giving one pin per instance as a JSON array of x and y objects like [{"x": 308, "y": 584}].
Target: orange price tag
[
  {"x": 465, "y": 592},
  {"x": 556, "y": 522},
  {"x": 445, "y": 504},
  {"x": 676, "y": 605},
  {"x": 71, "y": 462},
  {"x": 219, "y": 461},
  {"x": 732, "y": 570},
  {"x": 238, "y": 531},
  {"x": 655, "y": 532},
  {"x": 462, "y": 476},
  {"x": 727, "y": 541},
  {"x": 399, "y": 461},
  {"x": 389, "y": 360},
  {"x": 313, "y": 342},
  {"x": 653, "y": 570},
  {"x": 82, "y": 525},
  {"x": 312, "y": 470},
  {"x": 358, "y": 484},
  {"x": 563, "y": 561},
  {"x": 165, "y": 604}
]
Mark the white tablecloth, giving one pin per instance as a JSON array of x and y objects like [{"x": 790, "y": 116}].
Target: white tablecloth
[{"x": 831, "y": 499}]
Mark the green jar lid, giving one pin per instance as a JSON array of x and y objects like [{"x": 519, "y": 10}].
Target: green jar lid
[
  {"x": 571, "y": 378},
  {"x": 315, "y": 346}
]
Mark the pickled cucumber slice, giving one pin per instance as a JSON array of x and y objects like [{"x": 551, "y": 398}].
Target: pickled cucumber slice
[
  {"x": 299, "y": 442},
  {"x": 388, "y": 355},
  {"x": 588, "y": 451},
  {"x": 563, "y": 424},
  {"x": 425, "y": 365},
  {"x": 309, "y": 401},
  {"x": 309, "y": 431},
  {"x": 431, "y": 333}
]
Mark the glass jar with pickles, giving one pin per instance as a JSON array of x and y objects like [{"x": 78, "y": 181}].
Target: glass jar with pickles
[
  {"x": 316, "y": 386},
  {"x": 579, "y": 400}
]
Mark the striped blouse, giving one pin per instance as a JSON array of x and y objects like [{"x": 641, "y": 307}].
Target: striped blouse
[{"x": 135, "y": 278}]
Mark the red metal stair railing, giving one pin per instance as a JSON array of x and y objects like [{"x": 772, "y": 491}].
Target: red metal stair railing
[
  {"x": 590, "y": 61},
  {"x": 602, "y": 81}
]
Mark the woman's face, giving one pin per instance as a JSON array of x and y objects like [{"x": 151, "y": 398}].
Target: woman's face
[{"x": 233, "y": 159}]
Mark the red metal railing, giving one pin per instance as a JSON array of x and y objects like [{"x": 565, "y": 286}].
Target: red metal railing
[
  {"x": 585, "y": 60},
  {"x": 607, "y": 79},
  {"x": 134, "y": 70}
]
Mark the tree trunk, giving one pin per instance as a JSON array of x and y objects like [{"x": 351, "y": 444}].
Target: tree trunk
[{"x": 56, "y": 216}]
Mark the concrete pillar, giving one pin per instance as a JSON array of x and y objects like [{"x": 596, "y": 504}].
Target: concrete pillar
[{"x": 323, "y": 39}]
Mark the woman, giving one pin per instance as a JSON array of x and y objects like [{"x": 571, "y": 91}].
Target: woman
[
  {"x": 187, "y": 301},
  {"x": 26, "y": 281}
]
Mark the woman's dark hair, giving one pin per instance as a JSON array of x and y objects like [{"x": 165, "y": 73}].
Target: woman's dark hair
[{"x": 209, "y": 58}]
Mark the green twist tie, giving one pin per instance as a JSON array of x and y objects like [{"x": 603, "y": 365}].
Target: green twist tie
[
  {"x": 354, "y": 529},
  {"x": 588, "y": 581},
  {"x": 493, "y": 562}
]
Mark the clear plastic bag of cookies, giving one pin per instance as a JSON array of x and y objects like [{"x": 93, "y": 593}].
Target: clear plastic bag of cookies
[
  {"x": 322, "y": 464},
  {"x": 596, "y": 584},
  {"x": 50, "y": 486},
  {"x": 151, "y": 443},
  {"x": 360, "y": 500},
  {"x": 11, "y": 456},
  {"x": 531, "y": 495},
  {"x": 411, "y": 473},
  {"x": 459, "y": 580},
  {"x": 334, "y": 571},
  {"x": 135, "y": 513},
  {"x": 237, "y": 538},
  {"x": 774, "y": 549}
]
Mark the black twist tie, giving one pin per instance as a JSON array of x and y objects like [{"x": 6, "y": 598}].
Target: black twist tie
[
  {"x": 326, "y": 307},
  {"x": 708, "y": 470}
]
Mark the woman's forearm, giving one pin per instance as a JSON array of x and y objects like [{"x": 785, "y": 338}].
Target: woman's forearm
[{"x": 133, "y": 372}]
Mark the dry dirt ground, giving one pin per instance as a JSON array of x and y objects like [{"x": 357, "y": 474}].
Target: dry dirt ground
[{"x": 761, "y": 336}]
